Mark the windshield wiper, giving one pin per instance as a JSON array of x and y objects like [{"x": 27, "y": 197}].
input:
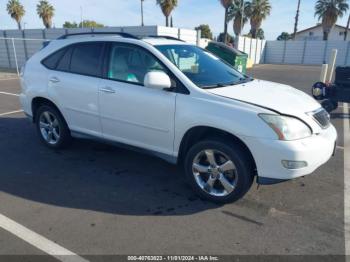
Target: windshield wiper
[
  {"x": 213, "y": 86},
  {"x": 240, "y": 81},
  {"x": 243, "y": 80}
]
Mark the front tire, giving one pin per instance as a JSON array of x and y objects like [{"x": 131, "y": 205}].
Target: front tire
[
  {"x": 219, "y": 171},
  {"x": 52, "y": 129}
]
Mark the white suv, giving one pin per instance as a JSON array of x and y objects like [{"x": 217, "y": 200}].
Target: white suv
[{"x": 179, "y": 102}]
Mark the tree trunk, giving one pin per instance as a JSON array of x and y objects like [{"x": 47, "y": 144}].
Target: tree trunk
[
  {"x": 237, "y": 25},
  {"x": 347, "y": 29},
  {"x": 47, "y": 24},
  {"x": 296, "y": 21},
  {"x": 253, "y": 31},
  {"x": 167, "y": 21},
  {"x": 19, "y": 25},
  {"x": 225, "y": 26},
  {"x": 325, "y": 36}
]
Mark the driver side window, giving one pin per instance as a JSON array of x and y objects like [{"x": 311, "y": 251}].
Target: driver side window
[{"x": 131, "y": 64}]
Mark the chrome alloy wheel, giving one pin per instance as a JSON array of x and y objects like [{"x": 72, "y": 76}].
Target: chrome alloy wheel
[
  {"x": 49, "y": 128},
  {"x": 215, "y": 173}
]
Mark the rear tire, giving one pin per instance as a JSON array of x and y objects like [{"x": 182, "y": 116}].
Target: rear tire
[
  {"x": 52, "y": 129},
  {"x": 219, "y": 171}
]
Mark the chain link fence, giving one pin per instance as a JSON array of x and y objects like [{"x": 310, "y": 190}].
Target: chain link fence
[{"x": 16, "y": 51}]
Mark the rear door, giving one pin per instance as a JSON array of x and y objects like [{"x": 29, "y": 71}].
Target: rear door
[{"x": 74, "y": 85}]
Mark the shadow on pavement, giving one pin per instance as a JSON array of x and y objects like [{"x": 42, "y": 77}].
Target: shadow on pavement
[{"x": 91, "y": 176}]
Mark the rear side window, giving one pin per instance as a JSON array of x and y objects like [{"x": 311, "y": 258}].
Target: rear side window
[
  {"x": 52, "y": 60},
  {"x": 64, "y": 62},
  {"x": 87, "y": 59}
]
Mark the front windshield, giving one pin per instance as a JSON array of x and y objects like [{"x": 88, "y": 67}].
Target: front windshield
[{"x": 201, "y": 67}]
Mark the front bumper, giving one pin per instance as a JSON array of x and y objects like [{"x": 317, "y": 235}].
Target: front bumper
[{"x": 269, "y": 154}]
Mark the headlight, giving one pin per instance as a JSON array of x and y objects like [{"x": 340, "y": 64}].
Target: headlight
[{"x": 287, "y": 128}]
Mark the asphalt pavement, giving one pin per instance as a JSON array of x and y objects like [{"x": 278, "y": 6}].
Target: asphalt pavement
[{"x": 96, "y": 199}]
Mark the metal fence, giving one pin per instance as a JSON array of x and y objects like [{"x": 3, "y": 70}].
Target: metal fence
[
  {"x": 294, "y": 52},
  {"x": 16, "y": 51},
  {"x": 17, "y": 46},
  {"x": 306, "y": 52}
]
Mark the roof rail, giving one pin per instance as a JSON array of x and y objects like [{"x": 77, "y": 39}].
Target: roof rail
[
  {"x": 165, "y": 37},
  {"x": 122, "y": 34}
]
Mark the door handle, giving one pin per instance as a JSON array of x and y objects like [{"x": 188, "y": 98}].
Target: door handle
[
  {"x": 54, "y": 80},
  {"x": 107, "y": 90}
]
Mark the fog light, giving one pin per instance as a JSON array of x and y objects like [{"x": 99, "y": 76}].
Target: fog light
[{"x": 294, "y": 164}]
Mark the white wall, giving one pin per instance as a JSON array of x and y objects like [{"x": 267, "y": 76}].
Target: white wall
[
  {"x": 337, "y": 34},
  {"x": 306, "y": 52},
  {"x": 28, "y": 42},
  {"x": 294, "y": 52},
  {"x": 255, "y": 48},
  {"x": 203, "y": 42}
]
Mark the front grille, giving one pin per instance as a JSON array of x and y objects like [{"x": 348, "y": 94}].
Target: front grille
[{"x": 322, "y": 118}]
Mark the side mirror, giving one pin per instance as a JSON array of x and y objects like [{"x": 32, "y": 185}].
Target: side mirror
[{"x": 157, "y": 80}]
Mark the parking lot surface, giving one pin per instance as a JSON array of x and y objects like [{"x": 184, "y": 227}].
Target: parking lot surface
[{"x": 96, "y": 199}]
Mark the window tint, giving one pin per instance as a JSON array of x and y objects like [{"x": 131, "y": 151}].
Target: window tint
[
  {"x": 86, "y": 59},
  {"x": 201, "y": 67},
  {"x": 186, "y": 63},
  {"x": 52, "y": 60},
  {"x": 131, "y": 64},
  {"x": 64, "y": 62}
]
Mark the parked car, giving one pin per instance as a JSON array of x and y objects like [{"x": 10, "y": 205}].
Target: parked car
[{"x": 179, "y": 102}]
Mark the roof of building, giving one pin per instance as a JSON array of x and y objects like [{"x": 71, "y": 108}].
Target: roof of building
[{"x": 319, "y": 25}]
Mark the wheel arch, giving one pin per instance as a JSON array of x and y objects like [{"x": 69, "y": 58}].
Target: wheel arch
[
  {"x": 39, "y": 101},
  {"x": 200, "y": 133}
]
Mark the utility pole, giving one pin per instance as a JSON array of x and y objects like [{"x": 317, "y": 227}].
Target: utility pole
[
  {"x": 242, "y": 16},
  {"x": 81, "y": 17},
  {"x": 347, "y": 29},
  {"x": 296, "y": 21},
  {"x": 142, "y": 22}
]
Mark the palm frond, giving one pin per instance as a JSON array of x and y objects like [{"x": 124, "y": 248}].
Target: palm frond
[
  {"x": 226, "y": 3},
  {"x": 45, "y": 11},
  {"x": 16, "y": 10},
  {"x": 328, "y": 11},
  {"x": 167, "y": 6}
]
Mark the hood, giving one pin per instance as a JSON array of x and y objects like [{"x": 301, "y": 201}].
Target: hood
[{"x": 278, "y": 97}]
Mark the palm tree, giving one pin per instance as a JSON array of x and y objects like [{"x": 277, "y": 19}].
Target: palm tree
[
  {"x": 329, "y": 11},
  {"x": 258, "y": 10},
  {"x": 239, "y": 13},
  {"x": 16, "y": 10},
  {"x": 296, "y": 20},
  {"x": 45, "y": 11},
  {"x": 226, "y": 4},
  {"x": 167, "y": 7}
]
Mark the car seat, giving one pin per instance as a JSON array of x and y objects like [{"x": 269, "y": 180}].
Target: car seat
[{"x": 119, "y": 68}]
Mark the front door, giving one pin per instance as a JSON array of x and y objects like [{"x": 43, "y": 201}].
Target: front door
[{"x": 130, "y": 112}]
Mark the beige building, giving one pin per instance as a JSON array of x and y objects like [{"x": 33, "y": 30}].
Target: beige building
[{"x": 316, "y": 33}]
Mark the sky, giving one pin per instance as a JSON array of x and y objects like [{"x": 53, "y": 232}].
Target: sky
[{"x": 188, "y": 14}]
